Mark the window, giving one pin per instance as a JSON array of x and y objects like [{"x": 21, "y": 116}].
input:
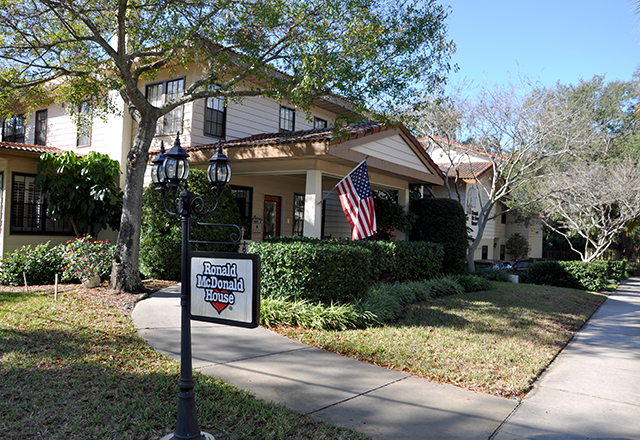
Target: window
[
  {"x": 215, "y": 115},
  {"x": 158, "y": 94},
  {"x": 13, "y": 129},
  {"x": 319, "y": 123},
  {"x": 84, "y": 130},
  {"x": 28, "y": 213},
  {"x": 503, "y": 218},
  {"x": 287, "y": 119},
  {"x": 485, "y": 252},
  {"x": 41, "y": 127},
  {"x": 244, "y": 198},
  {"x": 298, "y": 214}
]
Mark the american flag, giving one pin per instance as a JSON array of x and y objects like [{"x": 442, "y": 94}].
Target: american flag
[{"x": 357, "y": 202}]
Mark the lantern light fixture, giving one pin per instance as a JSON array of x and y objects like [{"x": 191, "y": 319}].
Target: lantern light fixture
[
  {"x": 176, "y": 164},
  {"x": 219, "y": 172},
  {"x": 157, "y": 170}
]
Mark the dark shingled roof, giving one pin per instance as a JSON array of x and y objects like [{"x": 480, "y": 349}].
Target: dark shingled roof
[
  {"x": 466, "y": 171},
  {"x": 39, "y": 149},
  {"x": 353, "y": 131}
]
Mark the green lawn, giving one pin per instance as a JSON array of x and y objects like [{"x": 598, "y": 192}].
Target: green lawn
[
  {"x": 75, "y": 369},
  {"x": 495, "y": 341}
]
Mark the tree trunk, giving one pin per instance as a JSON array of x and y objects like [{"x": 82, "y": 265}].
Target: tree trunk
[{"x": 125, "y": 275}]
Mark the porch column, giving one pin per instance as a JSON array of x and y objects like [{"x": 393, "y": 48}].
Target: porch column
[
  {"x": 403, "y": 200},
  {"x": 313, "y": 210}
]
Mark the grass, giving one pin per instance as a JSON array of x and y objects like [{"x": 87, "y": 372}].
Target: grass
[
  {"x": 496, "y": 341},
  {"x": 76, "y": 369}
]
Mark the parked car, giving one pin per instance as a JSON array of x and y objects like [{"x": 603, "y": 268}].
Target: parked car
[{"x": 501, "y": 265}]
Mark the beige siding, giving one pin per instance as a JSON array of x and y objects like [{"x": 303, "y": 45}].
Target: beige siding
[{"x": 395, "y": 150}]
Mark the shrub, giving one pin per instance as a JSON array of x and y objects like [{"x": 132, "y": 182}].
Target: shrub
[
  {"x": 314, "y": 271},
  {"x": 494, "y": 275},
  {"x": 418, "y": 260},
  {"x": 442, "y": 221},
  {"x": 517, "y": 246},
  {"x": 84, "y": 258},
  {"x": 39, "y": 265},
  {"x": 617, "y": 269},
  {"x": 279, "y": 311},
  {"x": 588, "y": 275},
  {"x": 472, "y": 283},
  {"x": 160, "y": 240},
  {"x": 444, "y": 286},
  {"x": 550, "y": 273}
]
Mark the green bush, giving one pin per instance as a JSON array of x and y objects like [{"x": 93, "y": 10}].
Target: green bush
[
  {"x": 442, "y": 221},
  {"x": 279, "y": 311},
  {"x": 418, "y": 260},
  {"x": 40, "y": 265},
  {"x": 314, "y": 271},
  {"x": 517, "y": 246},
  {"x": 494, "y": 275},
  {"x": 160, "y": 240},
  {"x": 84, "y": 258},
  {"x": 586, "y": 275},
  {"x": 444, "y": 286},
  {"x": 390, "y": 261},
  {"x": 617, "y": 269},
  {"x": 472, "y": 283}
]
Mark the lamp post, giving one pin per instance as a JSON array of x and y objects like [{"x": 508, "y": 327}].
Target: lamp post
[{"x": 169, "y": 173}]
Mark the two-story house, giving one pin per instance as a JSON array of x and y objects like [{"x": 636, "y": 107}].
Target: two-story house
[
  {"x": 284, "y": 161},
  {"x": 469, "y": 170}
]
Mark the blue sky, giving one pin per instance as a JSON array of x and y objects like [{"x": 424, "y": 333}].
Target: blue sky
[{"x": 547, "y": 40}]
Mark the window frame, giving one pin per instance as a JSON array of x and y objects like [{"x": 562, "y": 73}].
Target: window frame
[
  {"x": 41, "y": 222},
  {"x": 298, "y": 215},
  {"x": 220, "y": 122},
  {"x": 13, "y": 123},
  {"x": 166, "y": 124},
  {"x": 286, "y": 122},
  {"x": 85, "y": 128},
  {"x": 40, "y": 133},
  {"x": 323, "y": 122}
]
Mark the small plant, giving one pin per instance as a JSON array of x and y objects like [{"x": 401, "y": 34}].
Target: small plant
[
  {"x": 85, "y": 258},
  {"x": 517, "y": 246}
]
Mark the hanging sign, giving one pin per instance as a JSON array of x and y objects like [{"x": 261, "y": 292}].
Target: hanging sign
[{"x": 225, "y": 288}]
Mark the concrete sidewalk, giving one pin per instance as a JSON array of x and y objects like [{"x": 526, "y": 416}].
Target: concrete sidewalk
[{"x": 590, "y": 391}]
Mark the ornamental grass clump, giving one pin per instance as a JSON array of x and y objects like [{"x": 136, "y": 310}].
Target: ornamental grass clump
[{"x": 85, "y": 258}]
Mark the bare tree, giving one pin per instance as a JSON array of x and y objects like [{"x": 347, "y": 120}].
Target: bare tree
[
  {"x": 592, "y": 200},
  {"x": 520, "y": 132}
]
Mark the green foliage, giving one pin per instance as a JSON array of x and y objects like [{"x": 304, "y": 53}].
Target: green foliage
[
  {"x": 418, "y": 260},
  {"x": 161, "y": 235},
  {"x": 442, "y": 221},
  {"x": 517, "y": 246},
  {"x": 472, "y": 283},
  {"x": 39, "y": 264},
  {"x": 82, "y": 189},
  {"x": 494, "y": 275},
  {"x": 586, "y": 275},
  {"x": 390, "y": 215},
  {"x": 85, "y": 258},
  {"x": 315, "y": 272},
  {"x": 301, "y": 313}
]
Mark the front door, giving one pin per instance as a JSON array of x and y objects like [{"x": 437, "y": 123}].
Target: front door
[{"x": 271, "y": 216}]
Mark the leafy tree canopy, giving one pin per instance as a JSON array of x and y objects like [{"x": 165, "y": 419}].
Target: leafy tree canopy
[
  {"x": 377, "y": 54},
  {"x": 81, "y": 189}
]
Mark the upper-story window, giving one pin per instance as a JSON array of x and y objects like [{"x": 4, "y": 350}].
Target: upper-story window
[
  {"x": 287, "y": 119},
  {"x": 13, "y": 129},
  {"x": 84, "y": 129},
  {"x": 41, "y": 128},
  {"x": 319, "y": 122},
  {"x": 158, "y": 94},
  {"x": 215, "y": 116}
]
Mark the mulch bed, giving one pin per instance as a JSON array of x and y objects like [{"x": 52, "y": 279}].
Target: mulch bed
[{"x": 123, "y": 301}]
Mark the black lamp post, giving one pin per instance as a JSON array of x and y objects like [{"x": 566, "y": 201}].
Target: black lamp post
[{"x": 169, "y": 172}]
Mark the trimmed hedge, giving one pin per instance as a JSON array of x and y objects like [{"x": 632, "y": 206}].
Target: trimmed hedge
[
  {"x": 586, "y": 275},
  {"x": 312, "y": 271},
  {"x": 442, "y": 221},
  {"x": 341, "y": 270}
]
